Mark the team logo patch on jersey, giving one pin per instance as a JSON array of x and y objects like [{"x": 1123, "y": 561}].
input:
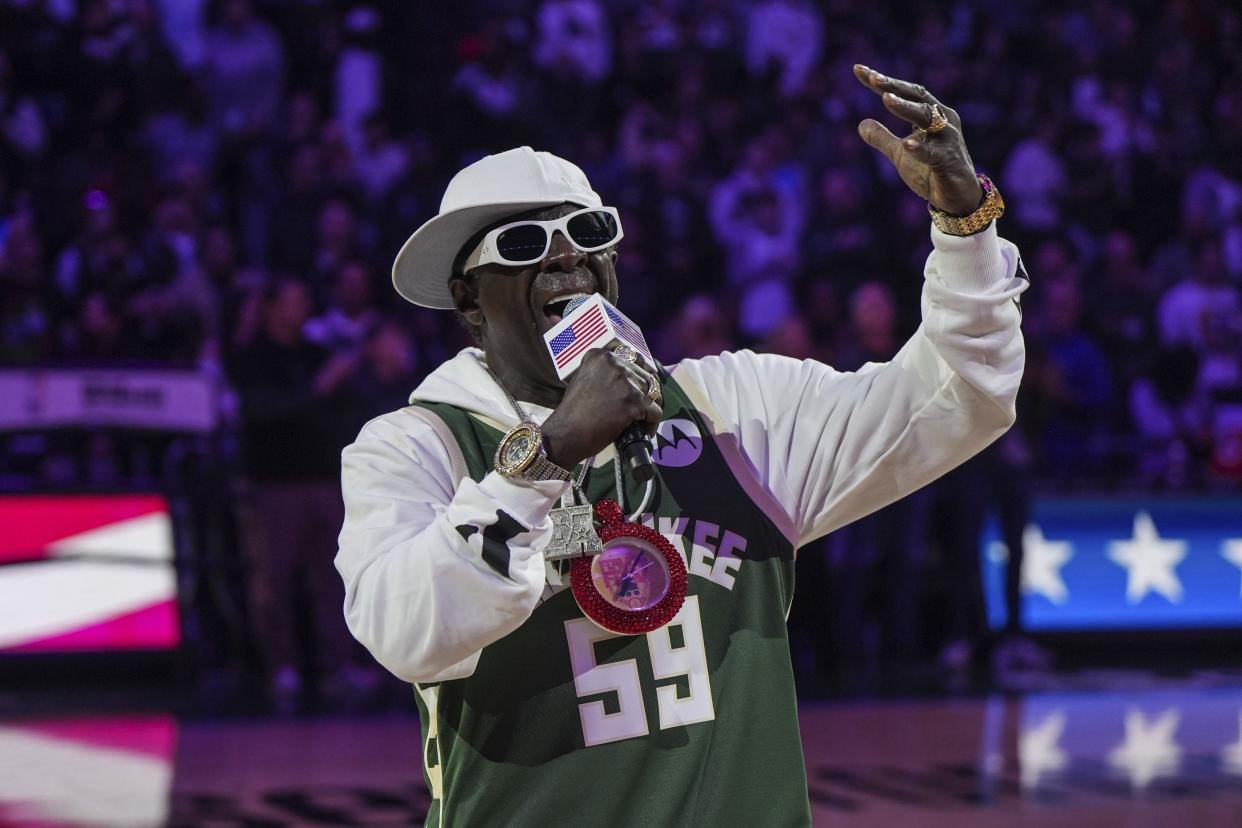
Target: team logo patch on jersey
[{"x": 678, "y": 443}]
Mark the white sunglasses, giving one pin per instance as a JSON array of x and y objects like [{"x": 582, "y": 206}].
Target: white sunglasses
[{"x": 526, "y": 242}]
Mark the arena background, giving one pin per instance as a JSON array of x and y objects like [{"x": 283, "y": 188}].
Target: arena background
[{"x": 179, "y": 179}]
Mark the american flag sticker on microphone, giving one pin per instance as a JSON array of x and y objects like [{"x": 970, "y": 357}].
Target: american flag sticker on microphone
[{"x": 593, "y": 324}]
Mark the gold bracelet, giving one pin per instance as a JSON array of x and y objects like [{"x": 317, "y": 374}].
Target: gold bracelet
[{"x": 992, "y": 208}]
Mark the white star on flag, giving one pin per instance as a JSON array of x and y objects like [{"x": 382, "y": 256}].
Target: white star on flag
[
  {"x": 1232, "y": 550},
  {"x": 1149, "y": 561},
  {"x": 1231, "y": 754},
  {"x": 1149, "y": 750},
  {"x": 1042, "y": 560},
  {"x": 1039, "y": 749}
]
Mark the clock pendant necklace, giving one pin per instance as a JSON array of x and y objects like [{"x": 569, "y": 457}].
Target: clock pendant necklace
[{"x": 626, "y": 577}]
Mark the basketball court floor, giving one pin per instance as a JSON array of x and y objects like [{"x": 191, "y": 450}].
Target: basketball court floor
[{"x": 1093, "y": 749}]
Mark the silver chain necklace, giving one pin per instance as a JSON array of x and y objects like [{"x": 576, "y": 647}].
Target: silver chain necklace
[
  {"x": 526, "y": 418},
  {"x": 586, "y": 464}
]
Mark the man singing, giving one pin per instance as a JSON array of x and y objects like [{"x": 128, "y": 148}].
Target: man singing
[{"x": 533, "y": 714}]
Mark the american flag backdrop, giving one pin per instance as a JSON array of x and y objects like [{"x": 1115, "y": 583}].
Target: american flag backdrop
[
  {"x": 1096, "y": 563},
  {"x": 87, "y": 572},
  {"x": 582, "y": 333}
]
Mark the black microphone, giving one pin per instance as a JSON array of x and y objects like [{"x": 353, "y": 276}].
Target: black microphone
[{"x": 633, "y": 447}]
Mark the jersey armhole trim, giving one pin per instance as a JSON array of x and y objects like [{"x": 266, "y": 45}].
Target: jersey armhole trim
[
  {"x": 456, "y": 459},
  {"x": 731, "y": 451},
  {"x": 430, "y": 696}
]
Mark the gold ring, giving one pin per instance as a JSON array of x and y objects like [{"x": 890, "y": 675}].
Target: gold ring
[
  {"x": 938, "y": 121},
  {"x": 626, "y": 353},
  {"x": 653, "y": 390}
]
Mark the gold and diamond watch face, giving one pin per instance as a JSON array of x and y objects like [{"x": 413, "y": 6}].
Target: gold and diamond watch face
[{"x": 517, "y": 450}]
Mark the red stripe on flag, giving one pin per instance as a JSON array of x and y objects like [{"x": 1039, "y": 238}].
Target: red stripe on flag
[
  {"x": 29, "y": 524},
  {"x": 586, "y": 338},
  {"x": 637, "y": 341},
  {"x": 583, "y": 345},
  {"x": 578, "y": 324},
  {"x": 582, "y": 329},
  {"x": 153, "y": 627},
  {"x": 591, "y": 316},
  {"x": 152, "y": 736}
]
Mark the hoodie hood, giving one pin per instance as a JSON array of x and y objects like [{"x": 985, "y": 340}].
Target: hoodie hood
[{"x": 464, "y": 382}]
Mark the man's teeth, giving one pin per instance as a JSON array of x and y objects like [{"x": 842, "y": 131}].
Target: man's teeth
[{"x": 556, "y": 307}]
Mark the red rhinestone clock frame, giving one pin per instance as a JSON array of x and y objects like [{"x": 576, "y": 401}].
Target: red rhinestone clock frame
[{"x": 598, "y": 608}]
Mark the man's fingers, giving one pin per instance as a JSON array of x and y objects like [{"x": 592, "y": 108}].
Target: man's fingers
[
  {"x": 637, "y": 369},
  {"x": 642, "y": 409},
  {"x": 646, "y": 410},
  {"x": 637, "y": 374},
  {"x": 919, "y": 114},
  {"x": 879, "y": 83},
  {"x": 878, "y": 136},
  {"x": 651, "y": 418}
]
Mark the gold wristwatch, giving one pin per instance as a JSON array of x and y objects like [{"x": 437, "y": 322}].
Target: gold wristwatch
[
  {"x": 521, "y": 454},
  {"x": 992, "y": 208}
]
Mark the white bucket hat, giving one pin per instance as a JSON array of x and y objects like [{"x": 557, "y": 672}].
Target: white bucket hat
[{"x": 490, "y": 189}]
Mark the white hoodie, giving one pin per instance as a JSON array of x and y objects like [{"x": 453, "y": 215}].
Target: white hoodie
[{"x": 815, "y": 448}]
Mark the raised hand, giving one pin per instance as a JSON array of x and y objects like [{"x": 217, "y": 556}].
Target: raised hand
[{"x": 935, "y": 165}]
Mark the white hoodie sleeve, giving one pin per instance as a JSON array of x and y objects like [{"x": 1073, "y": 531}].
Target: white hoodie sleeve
[
  {"x": 435, "y": 568},
  {"x": 827, "y": 447}
]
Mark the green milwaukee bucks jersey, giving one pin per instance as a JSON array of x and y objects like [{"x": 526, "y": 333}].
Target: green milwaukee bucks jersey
[{"x": 563, "y": 723}]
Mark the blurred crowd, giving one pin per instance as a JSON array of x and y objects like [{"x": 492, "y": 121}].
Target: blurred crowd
[
  {"x": 178, "y": 177},
  {"x": 224, "y": 183}
]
